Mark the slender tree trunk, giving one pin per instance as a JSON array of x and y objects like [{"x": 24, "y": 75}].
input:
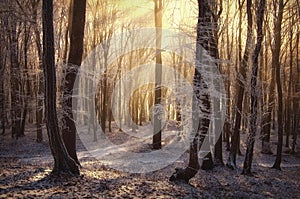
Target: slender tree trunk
[
  {"x": 62, "y": 161},
  {"x": 276, "y": 54},
  {"x": 214, "y": 52},
  {"x": 15, "y": 79},
  {"x": 158, "y": 75},
  {"x": 296, "y": 117},
  {"x": 267, "y": 118},
  {"x": 266, "y": 130},
  {"x": 231, "y": 163},
  {"x": 39, "y": 76},
  {"x": 2, "y": 93},
  {"x": 289, "y": 99},
  {"x": 104, "y": 98},
  {"x": 26, "y": 80},
  {"x": 253, "y": 90},
  {"x": 74, "y": 61}
]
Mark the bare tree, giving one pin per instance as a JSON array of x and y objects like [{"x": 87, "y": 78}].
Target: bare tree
[
  {"x": 200, "y": 128},
  {"x": 62, "y": 161},
  {"x": 15, "y": 73},
  {"x": 276, "y": 64},
  {"x": 231, "y": 163},
  {"x": 253, "y": 89},
  {"x": 74, "y": 61},
  {"x": 158, "y": 74}
]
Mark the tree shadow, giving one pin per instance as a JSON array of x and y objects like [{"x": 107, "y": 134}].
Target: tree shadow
[{"x": 23, "y": 182}]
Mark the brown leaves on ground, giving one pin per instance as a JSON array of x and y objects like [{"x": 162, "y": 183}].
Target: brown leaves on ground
[
  {"x": 32, "y": 181},
  {"x": 25, "y": 168}
]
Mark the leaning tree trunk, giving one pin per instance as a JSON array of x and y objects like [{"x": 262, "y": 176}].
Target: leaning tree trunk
[
  {"x": 74, "y": 61},
  {"x": 254, "y": 97},
  {"x": 62, "y": 161},
  {"x": 276, "y": 54}
]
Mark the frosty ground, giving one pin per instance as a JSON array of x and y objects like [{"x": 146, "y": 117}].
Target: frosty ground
[{"x": 26, "y": 165}]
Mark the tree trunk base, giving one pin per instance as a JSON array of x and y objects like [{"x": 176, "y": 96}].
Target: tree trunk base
[
  {"x": 183, "y": 175},
  {"x": 276, "y": 167},
  {"x": 231, "y": 163},
  {"x": 247, "y": 172},
  {"x": 69, "y": 166},
  {"x": 207, "y": 163}
]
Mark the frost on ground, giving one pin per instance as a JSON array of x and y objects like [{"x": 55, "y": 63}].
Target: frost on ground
[{"x": 26, "y": 165}]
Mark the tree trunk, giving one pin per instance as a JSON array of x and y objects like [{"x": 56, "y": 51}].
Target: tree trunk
[
  {"x": 201, "y": 99},
  {"x": 2, "y": 93},
  {"x": 62, "y": 161},
  {"x": 157, "y": 126},
  {"x": 26, "y": 86},
  {"x": 231, "y": 163},
  {"x": 253, "y": 89},
  {"x": 289, "y": 99},
  {"x": 276, "y": 54},
  {"x": 15, "y": 78},
  {"x": 39, "y": 76},
  {"x": 269, "y": 100},
  {"x": 3, "y": 22},
  {"x": 296, "y": 117},
  {"x": 74, "y": 61}
]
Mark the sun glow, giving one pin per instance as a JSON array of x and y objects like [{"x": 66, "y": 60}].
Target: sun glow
[{"x": 176, "y": 13}]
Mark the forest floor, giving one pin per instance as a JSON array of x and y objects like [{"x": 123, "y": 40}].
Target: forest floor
[{"x": 25, "y": 167}]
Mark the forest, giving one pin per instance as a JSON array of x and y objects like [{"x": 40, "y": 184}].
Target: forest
[{"x": 149, "y": 99}]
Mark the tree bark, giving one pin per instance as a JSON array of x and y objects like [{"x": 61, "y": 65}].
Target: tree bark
[
  {"x": 276, "y": 54},
  {"x": 15, "y": 77},
  {"x": 253, "y": 90},
  {"x": 62, "y": 161},
  {"x": 39, "y": 76},
  {"x": 75, "y": 57},
  {"x": 2, "y": 93},
  {"x": 158, "y": 75},
  {"x": 201, "y": 99},
  {"x": 296, "y": 126},
  {"x": 231, "y": 163}
]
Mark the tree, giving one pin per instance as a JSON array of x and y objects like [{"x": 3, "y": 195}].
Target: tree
[
  {"x": 74, "y": 61},
  {"x": 200, "y": 129},
  {"x": 39, "y": 76},
  {"x": 276, "y": 63},
  {"x": 62, "y": 161},
  {"x": 158, "y": 74},
  {"x": 296, "y": 126},
  {"x": 240, "y": 81},
  {"x": 2, "y": 72},
  {"x": 15, "y": 74},
  {"x": 253, "y": 90}
]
